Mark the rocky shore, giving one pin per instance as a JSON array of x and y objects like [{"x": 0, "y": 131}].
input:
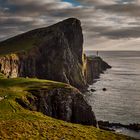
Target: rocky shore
[{"x": 110, "y": 126}]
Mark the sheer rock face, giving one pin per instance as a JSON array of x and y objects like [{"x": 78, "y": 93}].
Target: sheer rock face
[
  {"x": 65, "y": 104},
  {"x": 9, "y": 65},
  {"x": 58, "y": 56},
  {"x": 94, "y": 67}
]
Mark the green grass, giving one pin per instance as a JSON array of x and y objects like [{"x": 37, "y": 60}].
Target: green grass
[
  {"x": 17, "y": 45},
  {"x": 19, "y": 123},
  {"x": 23, "y": 42},
  {"x": 26, "y": 41}
]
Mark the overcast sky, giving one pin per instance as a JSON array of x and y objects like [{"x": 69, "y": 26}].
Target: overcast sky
[{"x": 107, "y": 24}]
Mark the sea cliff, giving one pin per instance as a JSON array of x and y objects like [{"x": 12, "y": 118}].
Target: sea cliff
[
  {"x": 53, "y": 53},
  {"x": 33, "y": 108}
]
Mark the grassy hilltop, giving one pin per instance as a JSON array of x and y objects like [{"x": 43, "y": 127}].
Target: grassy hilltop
[
  {"x": 22, "y": 42},
  {"x": 19, "y": 123}
]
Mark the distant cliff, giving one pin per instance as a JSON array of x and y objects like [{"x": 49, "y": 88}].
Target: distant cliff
[
  {"x": 94, "y": 67},
  {"x": 53, "y": 53}
]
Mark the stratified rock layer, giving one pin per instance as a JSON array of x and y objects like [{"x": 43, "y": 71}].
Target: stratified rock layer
[
  {"x": 61, "y": 103},
  {"x": 94, "y": 67},
  {"x": 56, "y": 55}
]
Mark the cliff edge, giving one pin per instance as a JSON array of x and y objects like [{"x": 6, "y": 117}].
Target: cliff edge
[
  {"x": 94, "y": 67},
  {"x": 18, "y": 121},
  {"x": 52, "y": 53}
]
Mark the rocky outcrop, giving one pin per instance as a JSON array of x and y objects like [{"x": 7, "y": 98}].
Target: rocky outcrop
[
  {"x": 56, "y": 54},
  {"x": 112, "y": 126},
  {"x": 94, "y": 66},
  {"x": 9, "y": 65},
  {"x": 65, "y": 104}
]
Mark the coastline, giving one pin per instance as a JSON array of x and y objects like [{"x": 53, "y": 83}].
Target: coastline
[
  {"x": 30, "y": 97},
  {"x": 126, "y": 127},
  {"x": 133, "y": 129}
]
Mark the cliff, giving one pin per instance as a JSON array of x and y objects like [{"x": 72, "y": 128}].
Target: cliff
[
  {"x": 55, "y": 99},
  {"x": 20, "y": 122},
  {"x": 65, "y": 103},
  {"x": 94, "y": 67},
  {"x": 53, "y": 53}
]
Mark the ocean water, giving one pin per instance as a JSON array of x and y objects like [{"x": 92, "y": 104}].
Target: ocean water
[{"x": 121, "y": 102}]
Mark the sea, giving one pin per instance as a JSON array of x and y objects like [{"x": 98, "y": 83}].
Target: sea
[{"x": 120, "y": 103}]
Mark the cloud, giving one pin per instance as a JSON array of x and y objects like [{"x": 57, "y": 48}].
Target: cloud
[
  {"x": 128, "y": 9},
  {"x": 111, "y": 44},
  {"x": 98, "y": 2},
  {"x": 102, "y": 20},
  {"x": 133, "y": 32},
  {"x": 30, "y": 14}
]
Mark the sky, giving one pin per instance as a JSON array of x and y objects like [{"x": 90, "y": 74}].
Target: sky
[{"x": 107, "y": 24}]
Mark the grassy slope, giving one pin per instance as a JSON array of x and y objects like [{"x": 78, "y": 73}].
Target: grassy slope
[
  {"x": 15, "y": 45},
  {"x": 22, "y": 42},
  {"x": 19, "y": 123},
  {"x": 25, "y": 41}
]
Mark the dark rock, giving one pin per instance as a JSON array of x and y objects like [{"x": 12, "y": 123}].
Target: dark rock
[
  {"x": 134, "y": 126},
  {"x": 57, "y": 54},
  {"x": 104, "y": 89},
  {"x": 65, "y": 104},
  {"x": 92, "y": 90},
  {"x": 94, "y": 67},
  {"x": 108, "y": 125}
]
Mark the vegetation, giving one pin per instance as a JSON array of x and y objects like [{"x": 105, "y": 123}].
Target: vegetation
[
  {"x": 12, "y": 46},
  {"x": 19, "y": 123},
  {"x": 22, "y": 42}
]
